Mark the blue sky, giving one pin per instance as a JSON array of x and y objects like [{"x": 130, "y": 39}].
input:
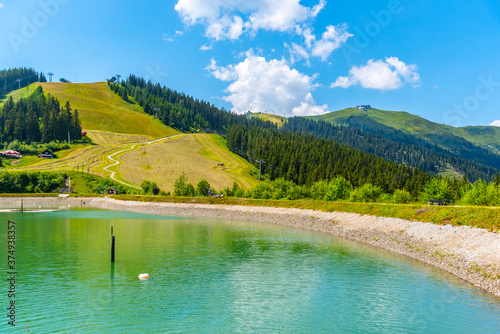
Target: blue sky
[{"x": 436, "y": 59}]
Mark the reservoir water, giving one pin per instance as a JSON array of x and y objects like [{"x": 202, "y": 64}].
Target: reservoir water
[{"x": 212, "y": 276}]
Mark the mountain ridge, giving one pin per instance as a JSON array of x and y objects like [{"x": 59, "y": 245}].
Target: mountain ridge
[{"x": 390, "y": 122}]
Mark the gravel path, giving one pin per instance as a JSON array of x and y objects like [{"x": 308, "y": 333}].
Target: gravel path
[{"x": 471, "y": 254}]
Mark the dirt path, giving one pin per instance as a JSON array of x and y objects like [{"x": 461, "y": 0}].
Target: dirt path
[{"x": 116, "y": 162}]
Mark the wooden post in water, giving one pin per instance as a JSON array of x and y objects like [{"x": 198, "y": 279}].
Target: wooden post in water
[
  {"x": 112, "y": 246},
  {"x": 22, "y": 205}
]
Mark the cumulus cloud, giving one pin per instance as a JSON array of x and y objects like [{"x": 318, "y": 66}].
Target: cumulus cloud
[
  {"x": 387, "y": 74},
  {"x": 272, "y": 86},
  {"x": 309, "y": 107},
  {"x": 495, "y": 123},
  {"x": 229, "y": 19}
]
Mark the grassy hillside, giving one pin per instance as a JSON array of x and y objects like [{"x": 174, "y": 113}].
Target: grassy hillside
[
  {"x": 17, "y": 94},
  {"x": 115, "y": 126},
  {"x": 276, "y": 119},
  {"x": 389, "y": 123},
  {"x": 488, "y": 136},
  {"x": 196, "y": 155},
  {"x": 100, "y": 109}
]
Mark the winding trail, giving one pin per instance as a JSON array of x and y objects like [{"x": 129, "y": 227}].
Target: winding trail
[{"x": 116, "y": 162}]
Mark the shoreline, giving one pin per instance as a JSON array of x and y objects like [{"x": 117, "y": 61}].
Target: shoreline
[{"x": 471, "y": 254}]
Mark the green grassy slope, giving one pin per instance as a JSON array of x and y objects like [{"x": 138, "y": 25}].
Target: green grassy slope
[
  {"x": 276, "y": 119},
  {"x": 19, "y": 93},
  {"x": 100, "y": 109},
  {"x": 389, "y": 122},
  {"x": 115, "y": 125},
  {"x": 488, "y": 136}
]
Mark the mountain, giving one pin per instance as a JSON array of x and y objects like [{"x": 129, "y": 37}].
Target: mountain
[
  {"x": 403, "y": 126},
  {"x": 114, "y": 124},
  {"x": 100, "y": 109}
]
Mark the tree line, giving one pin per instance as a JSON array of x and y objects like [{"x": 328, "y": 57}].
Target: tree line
[
  {"x": 179, "y": 110},
  {"x": 38, "y": 118},
  {"x": 454, "y": 145},
  {"x": 187, "y": 114},
  {"x": 305, "y": 159},
  {"x": 427, "y": 157},
  {"x": 8, "y": 79}
]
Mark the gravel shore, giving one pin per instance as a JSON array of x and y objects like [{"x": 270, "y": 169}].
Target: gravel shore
[{"x": 471, "y": 254}]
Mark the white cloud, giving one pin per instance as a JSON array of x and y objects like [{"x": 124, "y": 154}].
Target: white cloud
[
  {"x": 331, "y": 40},
  {"x": 205, "y": 47},
  {"x": 495, "y": 123},
  {"x": 167, "y": 38},
  {"x": 1, "y": 5},
  {"x": 229, "y": 19},
  {"x": 297, "y": 53},
  {"x": 309, "y": 107},
  {"x": 309, "y": 37},
  {"x": 225, "y": 28},
  {"x": 258, "y": 85},
  {"x": 384, "y": 75}
]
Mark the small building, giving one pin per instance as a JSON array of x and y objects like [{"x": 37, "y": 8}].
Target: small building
[
  {"x": 364, "y": 107},
  {"x": 438, "y": 201},
  {"x": 112, "y": 191},
  {"x": 46, "y": 154}
]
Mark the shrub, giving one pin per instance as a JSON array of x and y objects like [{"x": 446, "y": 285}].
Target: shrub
[
  {"x": 401, "y": 197},
  {"x": 366, "y": 193},
  {"x": 480, "y": 193},
  {"x": 29, "y": 182},
  {"x": 36, "y": 148},
  {"x": 298, "y": 192},
  {"x": 202, "y": 188},
  {"x": 437, "y": 188},
  {"x": 147, "y": 186},
  {"x": 182, "y": 188},
  {"x": 100, "y": 186},
  {"x": 338, "y": 188},
  {"x": 319, "y": 190}
]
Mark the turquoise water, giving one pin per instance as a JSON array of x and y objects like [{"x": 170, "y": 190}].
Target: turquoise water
[{"x": 215, "y": 276}]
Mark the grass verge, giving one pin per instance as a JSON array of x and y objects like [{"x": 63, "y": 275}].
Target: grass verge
[
  {"x": 481, "y": 217},
  {"x": 31, "y": 195}
]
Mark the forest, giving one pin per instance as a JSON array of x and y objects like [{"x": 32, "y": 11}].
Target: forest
[
  {"x": 427, "y": 157},
  {"x": 38, "y": 118},
  {"x": 305, "y": 159},
  {"x": 179, "y": 110},
  {"x": 8, "y": 79}
]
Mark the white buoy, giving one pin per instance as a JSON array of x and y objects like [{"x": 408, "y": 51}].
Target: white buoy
[{"x": 144, "y": 276}]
